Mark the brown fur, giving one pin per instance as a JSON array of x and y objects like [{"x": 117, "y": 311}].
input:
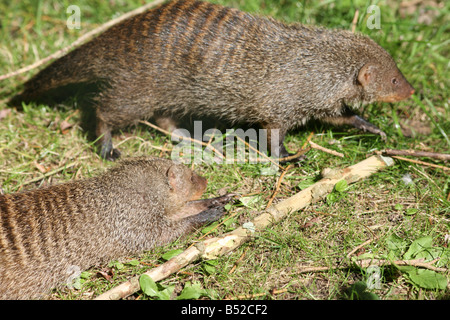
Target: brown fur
[
  {"x": 135, "y": 206},
  {"x": 196, "y": 58}
]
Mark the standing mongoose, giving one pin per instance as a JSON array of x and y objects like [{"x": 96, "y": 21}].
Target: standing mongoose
[
  {"x": 195, "y": 58},
  {"x": 135, "y": 206}
]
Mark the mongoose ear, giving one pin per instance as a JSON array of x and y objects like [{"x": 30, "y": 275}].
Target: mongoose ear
[
  {"x": 366, "y": 74},
  {"x": 171, "y": 177}
]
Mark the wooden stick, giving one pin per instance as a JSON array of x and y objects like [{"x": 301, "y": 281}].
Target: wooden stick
[
  {"x": 435, "y": 155},
  {"x": 422, "y": 163},
  {"x": 415, "y": 263},
  {"x": 378, "y": 262},
  {"x": 316, "y": 146},
  {"x": 82, "y": 39},
  {"x": 217, "y": 246}
]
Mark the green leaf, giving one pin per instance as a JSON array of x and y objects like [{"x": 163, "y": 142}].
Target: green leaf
[
  {"x": 228, "y": 222},
  {"x": 166, "y": 293},
  {"x": 249, "y": 202},
  {"x": 341, "y": 186},
  {"x": 306, "y": 183},
  {"x": 209, "y": 269},
  {"x": 367, "y": 255},
  {"x": 170, "y": 254},
  {"x": 411, "y": 211},
  {"x": 396, "y": 246},
  {"x": 133, "y": 262},
  {"x": 398, "y": 207},
  {"x": 357, "y": 291},
  {"x": 332, "y": 198},
  {"x": 116, "y": 264},
  {"x": 210, "y": 227},
  {"x": 77, "y": 284},
  {"x": 418, "y": 246},
  {"x": 427, "y": 279},
  {"x": 148, "y": 286},
  {"x": 210, "y": 266},
  {"x": 212, "y": 262},
  {"x": 192, "y": 291}
]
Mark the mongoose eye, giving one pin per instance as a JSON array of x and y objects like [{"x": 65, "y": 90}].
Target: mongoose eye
[{"x": 394, "y": 81}]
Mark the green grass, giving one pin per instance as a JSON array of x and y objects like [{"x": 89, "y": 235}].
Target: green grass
[{"x": 34, "y": 151}]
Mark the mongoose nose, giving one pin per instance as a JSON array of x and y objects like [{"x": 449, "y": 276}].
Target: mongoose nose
[{"x": 412, "y": 91}]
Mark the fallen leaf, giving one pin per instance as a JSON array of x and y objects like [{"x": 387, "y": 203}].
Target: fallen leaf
[
  {"x": 64, "y": 125},
  {"x": 4, "y": 113}
]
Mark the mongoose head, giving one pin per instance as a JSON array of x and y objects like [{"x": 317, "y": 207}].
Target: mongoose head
[
  {"x": 384, "y": 82},
  {"x": 174, "y": 184},
  {"x": 185, "y": 185}
]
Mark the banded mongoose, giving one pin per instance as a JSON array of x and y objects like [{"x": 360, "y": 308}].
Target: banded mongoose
[
  {"x": 47, "y": 233},
  {"x": 195, "y": 58}
]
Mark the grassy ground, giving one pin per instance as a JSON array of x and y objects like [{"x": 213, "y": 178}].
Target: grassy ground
[{"x": 42, "y": 145}]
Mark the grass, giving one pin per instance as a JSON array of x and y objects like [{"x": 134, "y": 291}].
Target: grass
[{"x": 36, "y": 150}]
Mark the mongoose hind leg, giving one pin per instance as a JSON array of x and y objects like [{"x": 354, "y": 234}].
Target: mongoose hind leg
[
  {"x": 166, "y": 122},
  {"x": 275, "y": 144},
  {"x": 104, "y": 142}
]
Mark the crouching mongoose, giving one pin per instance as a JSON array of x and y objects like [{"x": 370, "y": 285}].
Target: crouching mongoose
[{"x": 135, "y": 206}]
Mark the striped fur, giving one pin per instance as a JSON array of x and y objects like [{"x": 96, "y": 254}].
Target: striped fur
[
  {"x": 139, "y": 204},
  {"x": 195, "y": 58}
]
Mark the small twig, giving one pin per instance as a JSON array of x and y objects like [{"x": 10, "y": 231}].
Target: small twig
[
  {"x": 72, "y": 114},
  {"x": 259, "y": 152},
  {"x": 378, "y": 262},
  {"x": 81, "y": 40},
  {"x": 208, "y": 145},
  {"x": 355, "y": 20},
  {"x": 302, "y": 150},
  {"x": 50, "y": 173},
  {"x": 435, "y": 155},
  {"x": 318, "y": 269},
  {"x": 238, "y": 261},
  {"x": 422, "y": 163},
  {"x": 162, "y": 149},
  {"x": 299, "y": 153},
  {"x": 277, "y": 188},
  {"x": 257, "y": 295},
  {"x": 275, "y": 161},
  {"x": 359, "y": 247},
  {"x": 316, "y": 146},
  {"x": 426, "y": 177},
  {"x": 182, "y": 137}
]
